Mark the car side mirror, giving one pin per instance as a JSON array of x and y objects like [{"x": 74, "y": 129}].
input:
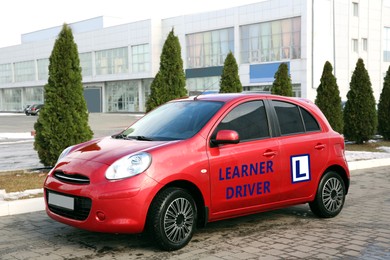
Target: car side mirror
[{"x": 225, "y": 137}]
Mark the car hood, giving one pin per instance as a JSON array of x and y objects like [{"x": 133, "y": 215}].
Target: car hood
[{"x": 107, "y": 150}]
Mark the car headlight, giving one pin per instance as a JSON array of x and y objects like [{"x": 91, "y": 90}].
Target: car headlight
[
  {"x": 129, "y": 166},
  {"x": 64, "y": 153}
]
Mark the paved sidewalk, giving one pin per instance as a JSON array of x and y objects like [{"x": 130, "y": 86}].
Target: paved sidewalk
[
  {"x": 21, "y": 155},
  {"x": 360, "y": 231}
]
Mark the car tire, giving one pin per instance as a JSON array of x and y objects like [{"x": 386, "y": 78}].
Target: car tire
[
  {"x": 173, "y": 218},
  {"x": 330, "y": 196}
]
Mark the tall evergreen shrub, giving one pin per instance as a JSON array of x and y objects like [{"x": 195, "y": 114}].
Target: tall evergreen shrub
[
  {"x": 328, "y": 98},
  {"x": 230, "y": 79},
  {"x": 360, "y": 117},
  {"x": 282, "y": 84},
  {"x": 170, "y": 80},
  {"x": 384, "y": 108},
  {"x": 63, "y": 121}
]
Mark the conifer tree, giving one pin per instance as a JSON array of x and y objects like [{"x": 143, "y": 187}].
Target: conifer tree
[
  {"x": 230, "y": 79},
  {"x": 170, "y": 81},
  {"x": 384, "y": 108},
  {"x": 63, "y": 121},
  {"x": 360, "y": 118},
  {"x": 328, "y": 98},
  {"x": 282, "y": 83}
]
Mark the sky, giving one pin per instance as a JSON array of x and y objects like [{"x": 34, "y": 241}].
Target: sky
[{"x": 18, "y": 17}]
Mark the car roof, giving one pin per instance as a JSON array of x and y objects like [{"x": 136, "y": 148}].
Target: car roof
[
  {"x": 226, "y": 97},
  {"x": 237, "y": 97}
]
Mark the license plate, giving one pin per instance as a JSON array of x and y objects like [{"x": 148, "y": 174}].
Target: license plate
[{"x": 61, "y": 201}]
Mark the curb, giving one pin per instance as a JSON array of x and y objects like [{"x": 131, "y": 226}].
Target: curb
[
  {"x": 21, "y": 206},
  {"x": 8, "y": 208},
  {"x": 365, "y": 164}
]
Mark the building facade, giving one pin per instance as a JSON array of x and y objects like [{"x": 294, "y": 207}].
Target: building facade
[{"x": 119, "y": 62}]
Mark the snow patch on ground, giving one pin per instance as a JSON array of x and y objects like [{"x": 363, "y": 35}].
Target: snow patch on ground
[
  {"x": 359, "y": 156},
  {"x": 18, "y": 195},
  {"x": 6, "y": 136}
]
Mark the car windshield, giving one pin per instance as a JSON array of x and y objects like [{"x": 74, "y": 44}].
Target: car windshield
[{"x": 173, "y": 121}]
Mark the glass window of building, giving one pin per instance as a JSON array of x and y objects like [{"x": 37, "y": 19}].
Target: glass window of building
[
  {"x": 86, "y": 64},
  {"x": 140, "y": 58},
  {"x": 24, "y": 71},
  {"x": 386, "y": 44},
  {"x": 5, "y": 73},
  {"x": 355, "y": 7},
  {"x": 210, "y": 48},
  {"x": 365, "y": 44},
  {"x": 43, "y": 69},
  {"x": 33, "y": 95},
  {"x": 271, "y": 41},
  {"x": 122, "y": 96},
  {"x": 355, "y": 46},
  {"x": 112, "y": 61},
  {"x": 12, "y": 99},
  {"x": 196, "y": 86}
]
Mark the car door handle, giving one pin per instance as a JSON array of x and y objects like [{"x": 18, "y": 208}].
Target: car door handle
[
  {"x": 269, "y": 153},
  {"x": 319, "y": 147}
]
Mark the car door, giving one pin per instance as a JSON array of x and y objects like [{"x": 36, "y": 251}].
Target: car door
[
  {"x": 244, "y": 175},
  {"x": 303, "y": 150}
]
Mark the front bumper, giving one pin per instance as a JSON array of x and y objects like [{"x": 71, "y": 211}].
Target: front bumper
[{"x": 101, "y": 205}]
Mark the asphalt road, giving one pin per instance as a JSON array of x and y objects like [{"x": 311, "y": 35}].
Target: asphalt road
[
  {"x": 19, "y": 154},
  {"x": 361, "y": 231}
]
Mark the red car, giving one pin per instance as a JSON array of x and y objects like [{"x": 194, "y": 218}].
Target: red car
[{"x": 198, "y": 160}]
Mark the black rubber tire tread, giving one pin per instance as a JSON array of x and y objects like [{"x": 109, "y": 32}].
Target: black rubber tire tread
[
  {"x": 317, "y": 206},
  {"x": 156, "y": 217}
]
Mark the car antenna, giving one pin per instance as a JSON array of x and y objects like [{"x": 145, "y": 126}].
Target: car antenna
[{"x": 207, "y": 89}]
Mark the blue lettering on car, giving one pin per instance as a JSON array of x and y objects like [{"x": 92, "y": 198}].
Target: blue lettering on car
[
  {"x": 253, "y": 189},
  {"x": 243, "y": 171}
]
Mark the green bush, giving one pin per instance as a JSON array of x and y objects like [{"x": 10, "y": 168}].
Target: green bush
[
  {"x": 384, "y": 108},
  {"x": 63, "y": 121},
  {"x": 170, "y": 80},
  {"x": 282, "y": 84},
  {"x": 328, "y": 98},
  {"x": 360, "y": 118},
  {"x": 230, "y": 79}
]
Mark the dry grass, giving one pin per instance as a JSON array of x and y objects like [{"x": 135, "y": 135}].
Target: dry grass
[
  {"x": 368, "y": 147},
  {"x": 15, "y": 181}
]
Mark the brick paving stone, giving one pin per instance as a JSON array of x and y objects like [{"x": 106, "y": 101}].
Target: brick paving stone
[
  {"x": 351, "y": 253},
  {"x": 279, "y": 246},
  {"x": 210, "y": 258},
  {"x": 250, "y": 249}
]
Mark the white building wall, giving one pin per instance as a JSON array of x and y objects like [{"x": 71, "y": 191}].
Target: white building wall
[
  {"x": 321, "y": 42},
  {"x": 327, "y": 30},
  {"x": 366, "y": 25}
]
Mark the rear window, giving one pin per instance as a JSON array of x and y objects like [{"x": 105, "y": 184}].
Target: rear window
[{"x": 294, "y": 119}]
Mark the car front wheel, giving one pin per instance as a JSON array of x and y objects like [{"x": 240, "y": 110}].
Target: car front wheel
[
  {"x": 173, "y": 218},
  {"x": 330, "y": 196}
]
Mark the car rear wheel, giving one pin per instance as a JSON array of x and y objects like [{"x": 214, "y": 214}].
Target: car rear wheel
[
  {"x": 330, "y": 196},
  {"x": 173, "y": 218}
]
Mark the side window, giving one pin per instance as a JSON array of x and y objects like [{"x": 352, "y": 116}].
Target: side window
[
  {"x": 249, "y": 120},
  {"x": 311, "y": 123},
  {"x": 289, "y": 117}
]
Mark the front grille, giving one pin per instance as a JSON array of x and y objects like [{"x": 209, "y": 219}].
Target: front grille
[
  {"x": 82, "y": 207},
  {"x": 71, "y": 178}
]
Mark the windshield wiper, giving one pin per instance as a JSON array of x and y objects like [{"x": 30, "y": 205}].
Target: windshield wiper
[
  {"x": 119, "y": 136},
  {"x": 139, "y": 137}
]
